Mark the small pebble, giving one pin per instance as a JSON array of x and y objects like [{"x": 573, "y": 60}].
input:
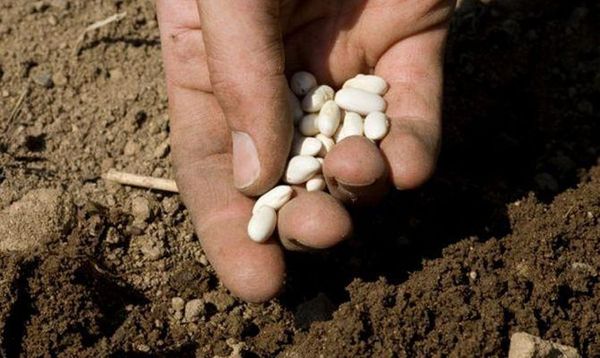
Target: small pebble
[
  {"x": 151, "y": 249},
  {"x": 141, "y": 209},
  {"x": 177, "y": 303},
  {"x": 162, "y": 149},
  {"x": 131, "y": 148},
  {"x": 524, "y": 345},
  {"x": 43, "y": 79},
  {"x": 203, "y": 260},
  {"x": 193, "y": 309},
  {"x": 59, "y": 79},
  {"x": 115, "y": 74}
]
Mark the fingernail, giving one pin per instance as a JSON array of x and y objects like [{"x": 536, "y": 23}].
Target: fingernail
[{"x": 246, "y": 166}]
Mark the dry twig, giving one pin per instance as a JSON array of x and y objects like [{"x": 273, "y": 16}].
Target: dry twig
[
  {"x": 141, "y": 181},
  {"x": 97, "y": 25},
  {"x": 17, "y": 107}
]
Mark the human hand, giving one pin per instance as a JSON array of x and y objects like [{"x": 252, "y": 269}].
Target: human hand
[{"x": 226, "y": 64}]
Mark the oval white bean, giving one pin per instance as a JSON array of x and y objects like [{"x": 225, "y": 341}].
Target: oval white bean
[
  {"x": 377, "y": 125},
  {"x": 306, "y": 146},
  {"x": 302, "y": 82},
  {"x": 316, "y": 98},
  {"x": 308, "y": 125},
  {"x": 316, "y": 183},
  {"x": 274, "y": 198},
  {"x": 301, "y": 168},
  {"x": 369, "y": 83},
  {"x": 359, "y": 101},
  {"x": 295, "y": 107},
  {"x": 327, "y": 144},
  {"x": 353, "y": 125},
  {"x": 262, "y": 224},
  {"x": 329, "y": 118}
]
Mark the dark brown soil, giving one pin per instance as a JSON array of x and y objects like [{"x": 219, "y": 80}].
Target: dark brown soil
[{"x": 505, "y": 238}]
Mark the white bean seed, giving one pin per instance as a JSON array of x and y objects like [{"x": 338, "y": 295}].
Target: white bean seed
[
  {"x": 306, "y": 146},
  {"x": 329, "y": 118},
  {"x": 295, "y": 107},
  {"x": 274, "y": 198},
  {"x": 327, "y": 144},
  {"x": 301, "y": 168},
  {"x": 369, "y": 83},
  {"x": 308, "y": 125},
  {"x": 352, "y": 125},
  {"x": 316, "y": 183},
  {"x": 262, "y": 224},
  {"x": 302, "y": 82},
  {"x": 377, "y": 125},
  {"x": 360, "y": 101},
  {"x": 316, "y": 98}
]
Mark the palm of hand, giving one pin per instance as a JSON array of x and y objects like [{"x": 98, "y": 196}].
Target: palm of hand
[
  {"x": 339, "y": 39},
  {"x": 401, "y": 40}
]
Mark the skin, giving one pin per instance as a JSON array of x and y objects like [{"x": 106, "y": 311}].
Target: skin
[{"x": 226, "y": 64}]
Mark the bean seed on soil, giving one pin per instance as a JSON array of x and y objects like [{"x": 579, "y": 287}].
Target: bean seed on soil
[{"x": 322, "y": 118}]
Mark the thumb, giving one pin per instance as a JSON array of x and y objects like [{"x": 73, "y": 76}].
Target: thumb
[{"x": 245, "y": 58}]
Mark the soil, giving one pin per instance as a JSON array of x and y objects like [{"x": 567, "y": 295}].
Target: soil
[{"x": 504, "y": 238}]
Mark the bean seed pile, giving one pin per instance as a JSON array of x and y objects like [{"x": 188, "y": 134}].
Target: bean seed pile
[{"x": 322, "y": 118}]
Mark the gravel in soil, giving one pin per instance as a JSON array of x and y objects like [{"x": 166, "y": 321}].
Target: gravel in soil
[{"x": 504, "y": 238}]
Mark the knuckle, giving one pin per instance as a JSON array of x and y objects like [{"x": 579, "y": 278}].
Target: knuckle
[{"x": 185, "y": 59}]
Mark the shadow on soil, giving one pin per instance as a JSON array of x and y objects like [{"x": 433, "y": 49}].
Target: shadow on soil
[{"x": 521, "y": 80}]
